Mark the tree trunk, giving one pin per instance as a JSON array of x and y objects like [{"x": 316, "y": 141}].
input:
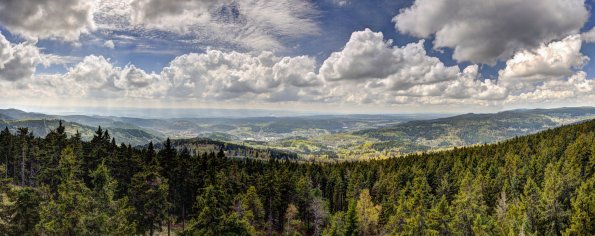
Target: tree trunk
[
  {"x": 6, "y": 157},
  {"x": 183, "y": 216},
  {"x": 23, "y": 167}
]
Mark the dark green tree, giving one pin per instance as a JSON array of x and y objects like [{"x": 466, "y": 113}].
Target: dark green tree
[{"x": 148, "y": 195}]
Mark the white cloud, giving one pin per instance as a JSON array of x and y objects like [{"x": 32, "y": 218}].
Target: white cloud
[
  {"x": 370, "y": 70},
  {"x": 368, "y": 56},
  {"x": 53, "y": 59},
  {"x": 5, "y": 51},
  {"x": 109, "y": 44},
  {"x": 485, "y": 31},
  {"x": 209, "y": 76},
  {"x": 553, "y": 61},
  {"x": 589, "y": 36},
  {"x": 575, "y": 87},
  {"x": 217, "y": 75},
  {"x": 17, "y": 61},
  {"x": 250, "y": 24},
  {"x": 96, "y": 77},
  {"x": 341, "y": 3},
  {"x": 113, "y": 15},
  {"x": 60, "y": 19}
]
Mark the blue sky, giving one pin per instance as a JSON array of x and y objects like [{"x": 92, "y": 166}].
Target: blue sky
[
  {"x": 337, "y": 23},
  {"x": 349, "y": 54}
]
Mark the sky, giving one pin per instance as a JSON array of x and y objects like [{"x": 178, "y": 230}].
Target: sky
[{"x": 344, "y": 56}]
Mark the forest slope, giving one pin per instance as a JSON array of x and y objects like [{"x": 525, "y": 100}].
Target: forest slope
[{"x": 538, "y": 184}]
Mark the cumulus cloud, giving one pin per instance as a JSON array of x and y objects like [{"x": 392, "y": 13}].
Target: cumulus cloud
[
  {"x": 210, "y": 76},
  {"x": 217, "y": 75},
  {"x": 589, "y": 36},
  {"x": 250, "y": 24},
  {"x": 486, "y": 31},
  {"x": 96, "y": 77},
  {"x": 17, "y": 61},
  {"x": 368, "y": 56},
  {"x": 576, "y": 86},
  {"x": 61, "y": 19},
  {"x": 553, "y": 61},
  {"x": 370, "y": 70},
  {"x": 109, "y": 44},
  {"x": 5, "y": 51}
]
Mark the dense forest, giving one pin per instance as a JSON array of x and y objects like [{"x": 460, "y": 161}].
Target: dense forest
[{"x": 541, "y": 184}]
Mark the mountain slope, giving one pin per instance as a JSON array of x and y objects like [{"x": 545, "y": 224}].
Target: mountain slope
[
  {"x": 463, "y": 130},
  {"x": 41, "y": 127}
]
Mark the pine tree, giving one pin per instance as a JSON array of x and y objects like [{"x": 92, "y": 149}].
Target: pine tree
[
  {"x": 368, "y": 214},
  {"x": 249, "y": 207},
  {"x": 418, "y": 205},
  {"x": 109, "y": 216},
  {"x": 293, "y": 226},
  {"x": 6, "y": 152},
  {"x": 212, "y": 210},
  {"x": 56, "y": 141},
  {"x": 351, "y": 219},
  {"x": 167, "y": 159},
  {"x": 24, "y": 138},
  {"x": 148, "y": 196},
  {"x": 583, "y": 210},
  {"x": 336, "y": 226},
  {"x": 439, "y": 218},
  {"x": 553, "y": 215},
  {"x": 530, "y": 202},
  {"x": 21, "y": 212},
  {"x": 469, "y": 208},
  {"x": 65, "y": 213}
]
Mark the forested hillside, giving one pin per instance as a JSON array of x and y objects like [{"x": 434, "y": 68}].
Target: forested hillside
[
  {"x": 42, "y": 127},
  {"x": 470, "y": 129},
  {"x": 320, "y": 137},
  {"x": 540, "y": 184}
]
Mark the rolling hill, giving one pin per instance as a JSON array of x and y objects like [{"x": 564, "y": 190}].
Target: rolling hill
[
  {"x": 319, "y": 136},
  {"x": 470, "y": 129},
  {"x": 41, "y": 127}
]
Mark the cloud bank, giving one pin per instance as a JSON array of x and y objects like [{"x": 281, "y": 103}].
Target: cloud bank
[
  {"x": 486, "y": 31},
  {"x": 368, "y": 70},
  {"x": 538, "y": 42},
  {"x": 58, "y": 19}
]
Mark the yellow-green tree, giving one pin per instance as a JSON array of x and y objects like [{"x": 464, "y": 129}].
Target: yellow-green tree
[
  {"x": 469, "y": 208},
  {"x": 367, "y": 213},
  {"x": 293, "y": 225},
  {"x": 583, "y": 210}
]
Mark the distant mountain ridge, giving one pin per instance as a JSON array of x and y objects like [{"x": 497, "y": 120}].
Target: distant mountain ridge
[
  {"x": 360, "y": 135},
  {"x": 469, "y": 129},
  {"x": 41, "y": 124}
]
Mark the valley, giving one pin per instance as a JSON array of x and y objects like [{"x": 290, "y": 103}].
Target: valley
[{"x": 316, "y": 137}]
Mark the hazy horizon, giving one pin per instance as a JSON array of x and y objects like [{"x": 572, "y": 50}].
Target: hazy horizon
[
  {"x": 174, "y": 113},
  {"x": 298, "y": 56}
]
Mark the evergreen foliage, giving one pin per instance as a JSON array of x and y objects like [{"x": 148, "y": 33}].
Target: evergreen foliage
[{"x": 540, "y": 184}]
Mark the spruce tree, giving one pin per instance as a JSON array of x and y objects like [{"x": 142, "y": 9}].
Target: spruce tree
[
  {"x": 368, "y": 214},
  {"x": 582, "y": 218},
  {"x": 65, "y": 213},
  {"x": 109, "y": 216},
  {"x": 148, "y": 195}
]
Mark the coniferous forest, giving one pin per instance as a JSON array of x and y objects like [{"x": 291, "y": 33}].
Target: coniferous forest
[{"x": 541, "y": 184}]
